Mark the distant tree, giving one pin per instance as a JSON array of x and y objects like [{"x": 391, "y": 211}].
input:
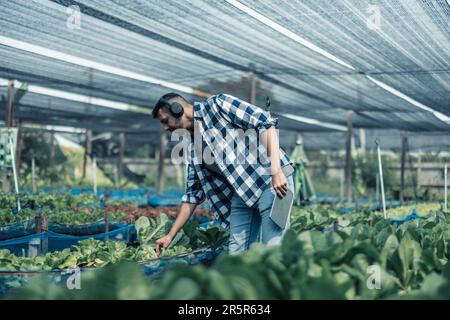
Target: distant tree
[{"x": 47, "y": 155}]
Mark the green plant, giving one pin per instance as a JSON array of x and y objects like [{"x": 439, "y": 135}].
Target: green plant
[
  {"x": 94, "y": 253},
  {"x": 325, "y": 255},
  {"x": 367, "y": 168},
  {"x": 61, "y": 208}
]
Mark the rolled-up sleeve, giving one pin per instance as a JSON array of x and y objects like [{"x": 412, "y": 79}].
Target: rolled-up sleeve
[
  {"x": 244, "y": 114},
  {"x": 194, "y": 191}
]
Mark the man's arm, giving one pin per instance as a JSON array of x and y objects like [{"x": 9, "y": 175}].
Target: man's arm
[
  {"x": 279, "y": 181},
  {"x": 185, "y": 212},
  {"x": 249, "y": 116},
  {"x": 243, "y": 114},
  {"x": 194, "y": 195}
]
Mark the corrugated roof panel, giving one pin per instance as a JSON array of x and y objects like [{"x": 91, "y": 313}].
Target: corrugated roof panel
[{"x": 190, "y": 42}]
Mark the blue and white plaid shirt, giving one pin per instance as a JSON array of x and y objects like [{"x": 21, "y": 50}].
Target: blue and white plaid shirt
[{"x": 218, "y": 120}]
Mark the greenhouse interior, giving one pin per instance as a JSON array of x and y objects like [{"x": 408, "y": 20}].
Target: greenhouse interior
[{"x": 356, "y": 94}]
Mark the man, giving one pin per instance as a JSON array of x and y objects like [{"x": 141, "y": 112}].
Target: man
[{"x": 241, "y": 193}]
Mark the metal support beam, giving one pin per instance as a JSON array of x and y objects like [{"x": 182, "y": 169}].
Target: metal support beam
[
  {"x": 348, "y": 158},
  {"x": 33, "y": 175},
  {"x": 19, "y": 146},
  {"x": 121, "y": 156},
  {"x": 402, "y": 170},
  {"x": 252, "y": 95},
  {"x": 116, "y": 177},
  {"x": 52, "y": 150},
  {"x": 362, "y": 140},
  {"x": 87, "y": 150},
  {"x": 9, "y": 107},
  {"x": 8, "y": 122},
  {"x": 94, "y": 175},
  {"x": 419, "y": 169},
  {"x": 377, "y": 187},
  {"x": 162, "y": 152}
]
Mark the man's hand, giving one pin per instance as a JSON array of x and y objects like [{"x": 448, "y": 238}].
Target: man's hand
[
  {"x": 163, "y": 243},
  {"x": 186, "y": 210},
  {"x": 279, "y": 183}
]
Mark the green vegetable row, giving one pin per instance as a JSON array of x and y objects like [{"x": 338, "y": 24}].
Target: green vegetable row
[
  {"x": 72, "y": 217},
  {"x": 326, "y": 264},
  {"x": 61, "y": 208},
  {"x": 87, "y": 253},
  {"x": 8, "y": 201},
  {"x": 361, "y": 256},
  {"x": 93, "y": 253}
]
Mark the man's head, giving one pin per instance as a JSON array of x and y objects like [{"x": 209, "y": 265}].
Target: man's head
[{"x": 168, "y": 118}]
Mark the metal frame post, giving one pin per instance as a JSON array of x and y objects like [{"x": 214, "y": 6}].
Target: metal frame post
[
  {"x": 16, "y": 179},
  {"x": 162, "y": 152},
  {"x": 445, "y": 187},
  {"x": 33, "y": 175},
  {"x": 94, "y": 174},
  {"x": 380, "y": 169},
  {"x": 348, "y": 158},
  {"x": 402, "y": 170},
  {"x": 121, "y": 155}
]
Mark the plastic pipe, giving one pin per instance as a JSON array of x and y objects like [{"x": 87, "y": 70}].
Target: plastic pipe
[
  {"x": 445, "y": 188},
  {"x": 380, "y": 169},
  {"x": 16, "y": 182}
]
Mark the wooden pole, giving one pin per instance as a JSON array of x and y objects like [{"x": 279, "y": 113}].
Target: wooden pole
[
  {"x": 121, "y": 156},
  {"x": 252, "y": 95},
  {"x": 19, "y": 146},
  {"x": 348, "y": 158},
  {"x": 8, "y": 122},
  {"x": 419, "y": 169},
  {"x": 9, "y": 109},
  {"x": 52, "y": 149},
  {"x": 402, "y": 170},
  {"x": 106, "y": 216},
  {"x": 162, "y": 152},
  {"x": 362, "y": 140},
  {"x": 94, "y": 174},
  {"x": 33, "y": 175},
  {"x": 116, "y": 177},
  {"x": 5, "y": 181},
  {"x": 87, "y": 150},
  {"x": 377, "y": 188}
]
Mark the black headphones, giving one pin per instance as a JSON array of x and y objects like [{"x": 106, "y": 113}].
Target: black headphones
[{"x": 175, "y": 108}]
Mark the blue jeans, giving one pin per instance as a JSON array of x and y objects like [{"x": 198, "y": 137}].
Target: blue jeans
[{"x": 247, "y": 222}]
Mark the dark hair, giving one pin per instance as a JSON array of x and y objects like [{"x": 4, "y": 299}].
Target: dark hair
[{"x": 163, "y": 101}]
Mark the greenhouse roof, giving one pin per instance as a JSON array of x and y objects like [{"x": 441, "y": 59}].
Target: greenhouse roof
[{"x": 315, "y": 59}]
